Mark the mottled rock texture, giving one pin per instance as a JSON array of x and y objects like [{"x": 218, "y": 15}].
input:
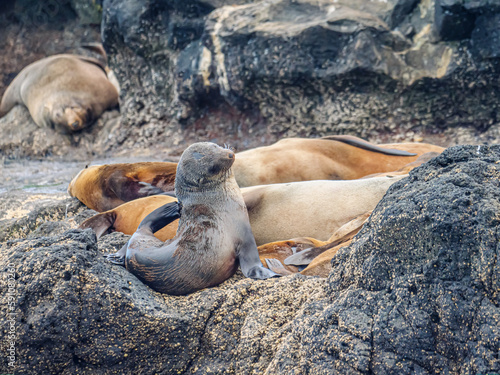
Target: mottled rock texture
[
  {"x": 248, "y": 72},
  {"x": 416, "y": 292},
  {"x": 251, "y": 72}
]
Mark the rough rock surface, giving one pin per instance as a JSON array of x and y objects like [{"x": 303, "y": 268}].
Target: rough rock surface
[
  {"x": 248, "y": 72},
  {"x": 416, "y": 292},
  {"x": 22, "y": 138},
  {"x": 251, "y": 72}
]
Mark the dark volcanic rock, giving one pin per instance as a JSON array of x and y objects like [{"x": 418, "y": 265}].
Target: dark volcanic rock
[
  {"x": 86, "y": 315},
  {"x": 25, "y": 215},
  {"x": 416, "y": 292},
  {"x": 251, "y": 72},
  {"x": 22, "y": 138},
  {"x": 424, "y": 273}
]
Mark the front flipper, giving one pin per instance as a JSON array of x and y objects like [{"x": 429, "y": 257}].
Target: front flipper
[
  {"x": 118, "y": 257},
  {"x": 128, "y": 189},
  {"x": 161, "y": 217},
  {"x": 248, "y": 256}
]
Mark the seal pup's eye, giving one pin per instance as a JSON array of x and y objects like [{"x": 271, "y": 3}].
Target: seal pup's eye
[{"x": 197, "y": 155}]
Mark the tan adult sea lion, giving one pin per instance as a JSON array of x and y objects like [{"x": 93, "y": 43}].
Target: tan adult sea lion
[
  {"x": 310, "y": 208},
  {"x": 65, "y": 91},
  {"x": 297, "y": 209},
  {"x": 293, "y": 159},
  {"x": 104, "y": 187},
  {"x": 338, "y": 157},
  {"x": 213, "y": 236}
]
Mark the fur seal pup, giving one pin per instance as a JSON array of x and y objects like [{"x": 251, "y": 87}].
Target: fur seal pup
[
  {"x": 65, "y": 91},
  {"x": 213, "y": 236},
  {"x": 104, "y": 187},
  {"x": 293, "y": 159}
]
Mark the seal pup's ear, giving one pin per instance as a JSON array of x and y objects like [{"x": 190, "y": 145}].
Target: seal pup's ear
[{"x": 197, "y": 155}]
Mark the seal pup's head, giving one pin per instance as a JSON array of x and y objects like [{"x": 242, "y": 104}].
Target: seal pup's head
[{"x": 203, "y": 166}]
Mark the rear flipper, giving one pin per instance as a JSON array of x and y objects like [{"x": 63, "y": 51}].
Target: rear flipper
[
  {"x": 101, "y": 223},
  {"x": 161, "y": 217},
  {"x": 276, "y": 266}
]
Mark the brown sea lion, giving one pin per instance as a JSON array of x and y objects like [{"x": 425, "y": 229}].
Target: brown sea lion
[
  {"x": 64, "y": 91},
  {"x": 337, "y": 157},
  {"x": 104, "y": 187},
  {"x": 293, "y": 159},
  {"x": 320, "y": 266},
  {"x": 345, "y": 233},
  {"x": 424, "y": 158},
  {"x": 127, "y": 217},
  {"x": 298, "y": 209},
  {"x": 284, "y": 257},
  {"x": 213, "y": 236}
]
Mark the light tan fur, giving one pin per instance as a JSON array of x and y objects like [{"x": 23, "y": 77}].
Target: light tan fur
[
  {"x": 300, "y": 159},
  {"x": 310, "y": 208},
  {"x": 64, "y": 91}
]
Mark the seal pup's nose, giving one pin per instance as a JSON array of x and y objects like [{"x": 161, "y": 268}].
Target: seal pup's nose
[{"x": 230, "y": 155}]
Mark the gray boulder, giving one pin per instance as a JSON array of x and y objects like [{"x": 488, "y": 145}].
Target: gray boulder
[
  {"x": 251, "y": 72},
  {"x": 416, "y": 292}
]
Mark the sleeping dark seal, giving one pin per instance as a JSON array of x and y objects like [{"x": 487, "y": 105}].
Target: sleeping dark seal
[
  {"x": 213, "y": 236},
  {"x": 66, "y": 92}
]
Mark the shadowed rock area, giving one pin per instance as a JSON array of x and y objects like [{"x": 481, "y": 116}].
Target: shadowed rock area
[
  {"x": 251, "y": 72},
  {"x": 416, "y": 292}
]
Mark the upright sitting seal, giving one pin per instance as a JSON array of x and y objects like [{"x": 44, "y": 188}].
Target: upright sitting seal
[
  {"x": 213, "y": 235},
  {"x": 63, "y": 91}
]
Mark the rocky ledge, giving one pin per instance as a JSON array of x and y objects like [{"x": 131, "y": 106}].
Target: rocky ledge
[
  {"x": 416, "y": 292},
  {"x": 248, "y": 73}
]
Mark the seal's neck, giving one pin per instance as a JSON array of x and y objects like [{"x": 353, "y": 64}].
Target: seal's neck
[{"x": 210, "y": 190}]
